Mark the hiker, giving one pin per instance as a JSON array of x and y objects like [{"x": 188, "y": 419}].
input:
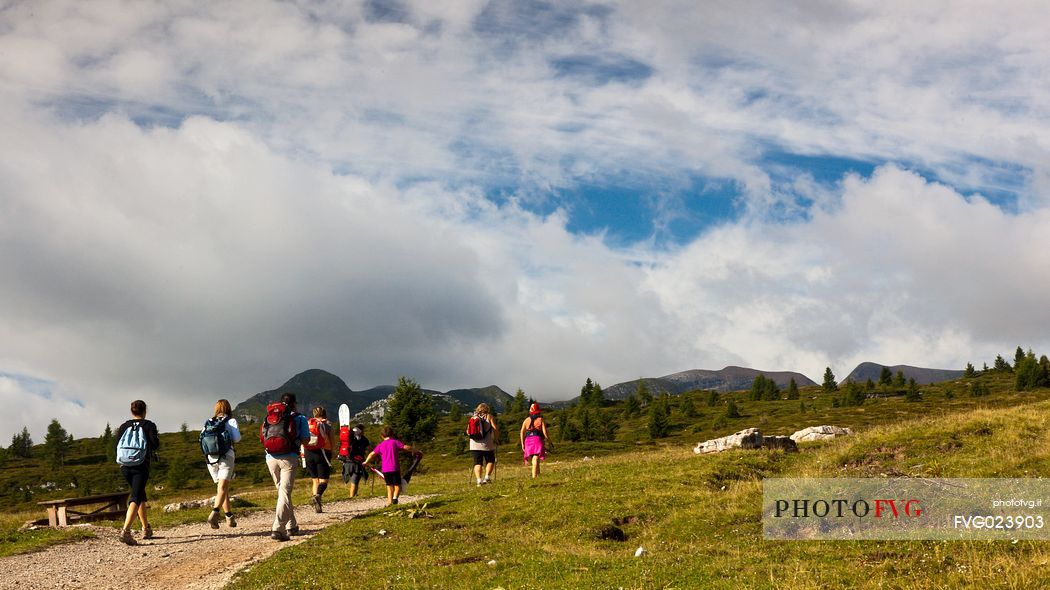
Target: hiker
[
  {"x": 218, "y": 437},
  {"x": 282, "y": 432},
  {"x": 484, "y": 434},
  {"x": 533, "y": 437},
  {"x": 318, "y": 454},
  {"x": 137, "y": 444},
  {"x": 388, "y": 451},
  {"x": 353, "y": 469}
]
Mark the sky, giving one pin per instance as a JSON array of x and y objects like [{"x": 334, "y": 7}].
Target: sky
[{"x": 201, "y": 199}]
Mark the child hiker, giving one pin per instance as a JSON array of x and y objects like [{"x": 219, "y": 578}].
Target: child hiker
[{"x": 388, "y": 451}]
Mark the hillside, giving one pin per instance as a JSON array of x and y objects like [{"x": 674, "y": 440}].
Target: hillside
[
  {"x": 922, "y": 376},
  {"x": 697, "y": 518},
  {"x": 730, "y": 378},
  {"x": 317, "y": 387}
]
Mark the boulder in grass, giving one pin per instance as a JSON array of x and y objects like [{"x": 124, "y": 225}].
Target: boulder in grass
[
  {"x": 819, "y": 433},
  {"x": 749, "y": 438},
  {"x": 783, "y": 443}
]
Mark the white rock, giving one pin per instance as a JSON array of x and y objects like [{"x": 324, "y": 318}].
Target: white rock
[
  {"x": 586, "y": 458},
  {"x": 819, "y": 433},
  {"x": 382, "y": 532},
  {"x": 492, "y": 562},
  {"x": 640, "y": 552},
  {"x": 749, "y": 438}
]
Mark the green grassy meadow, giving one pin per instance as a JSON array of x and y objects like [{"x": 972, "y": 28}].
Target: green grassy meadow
[{"x": 698, "y": 517}]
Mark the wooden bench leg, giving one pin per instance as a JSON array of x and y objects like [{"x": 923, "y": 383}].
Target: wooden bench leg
[
  {"x": 62, "y": 516},
  {"x": 52, "y": 516}
]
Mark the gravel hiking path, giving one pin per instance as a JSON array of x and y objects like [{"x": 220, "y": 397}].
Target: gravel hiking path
[{"x": 190, "y": 556}]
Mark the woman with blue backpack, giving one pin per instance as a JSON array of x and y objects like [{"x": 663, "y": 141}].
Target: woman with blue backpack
[
  {"x": 137, "y": 443},
  {"x": 218, "y": 436}
]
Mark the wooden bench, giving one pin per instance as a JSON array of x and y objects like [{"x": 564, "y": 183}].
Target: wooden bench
[{"x": 59, "y": 512}]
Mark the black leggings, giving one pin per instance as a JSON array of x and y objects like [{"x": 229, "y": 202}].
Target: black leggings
[{"x": 136, "y": 478}]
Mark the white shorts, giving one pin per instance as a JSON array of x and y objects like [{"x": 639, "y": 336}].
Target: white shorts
[{"x": 224, "y": 468}]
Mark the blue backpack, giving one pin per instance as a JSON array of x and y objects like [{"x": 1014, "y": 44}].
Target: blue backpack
[
  {"x": 215, "y": 439},
  {"x": 132, "y": 447}
]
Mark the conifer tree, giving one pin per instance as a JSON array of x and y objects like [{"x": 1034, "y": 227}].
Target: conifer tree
[
  {"x": 57, "y": 443},
  {"x": 712, "y": 398},
  {"x": 885, "y": 376},
  {"x": 659, "y": 418},
  {"x": 518, "y": 405},
  {"x": 687, "y": 407},
  {"x": 829, "y": 384},
  {"x": 21, "y": 444},
  {"x": 411, "y": 412},
  {"x": 792, "y": 389},
  {"x": 631, "y": 407},
  {"x": 970, "y": 372},
  {"x": 731, "y": 410},
  {"x": 642, "y": 393},
  {"x": 913, "y": 394}
]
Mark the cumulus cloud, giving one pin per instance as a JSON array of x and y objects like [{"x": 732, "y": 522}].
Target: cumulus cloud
[{"x": 199, "y": 199}]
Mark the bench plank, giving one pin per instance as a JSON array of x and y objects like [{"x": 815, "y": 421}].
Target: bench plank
[{"x": 60, "y": 515}]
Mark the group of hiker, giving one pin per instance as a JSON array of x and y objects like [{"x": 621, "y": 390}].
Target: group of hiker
[{"x": 290, "y": 438}]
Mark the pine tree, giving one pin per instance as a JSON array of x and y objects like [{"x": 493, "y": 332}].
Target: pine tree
[
  {"x": 770, "y": 390},
  {"x": 869, "y": 385},
  {"x": 631, "y": 407},
  {"x": 659, "y": 418},
  {"x": 792, "y": 389},
  {"x": 731, "y": 410},
  {"x": 411, "y": 412},
  {"x": 21, "y": 444},
  {"x": 109, "y": 446},
  {"x": 913, "y": 394},
  {"x": 712, "y": 398},
  {"x": 597, "y": 396},
  {"x": 518, "y": 405},
  {"x": 970, "y": 372},
  {"x": 1018, "y": 357},
  {"x": 829, "y": 384},
  {"x": 885, "y": 376},
  {"x": 587, "y": 393},
  {"x": 1030, "y": 373},
  {"x": 687, "y": 407},
  {"x": 184, "y": 432},
  {"x": 758, "y": 388},
  {"x": 898, "y": 380},
  {"x": 853, "y": 395},
  {"x": 642, "y": 393},
  {"x": 1001, "y": 365},
  {"x": 57, "y": 443},
  {"x": 455, "y": 411}
]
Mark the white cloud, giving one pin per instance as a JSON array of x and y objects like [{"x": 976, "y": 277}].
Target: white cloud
[{"x": 172, "y": 228}]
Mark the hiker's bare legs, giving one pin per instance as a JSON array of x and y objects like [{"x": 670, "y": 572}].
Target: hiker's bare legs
[
  {"x": 389, "y": 495},
  {"x": 397, "y": 491},
  {"x": 133, "y": 508},
  {"x": 142, "y": 515},
  {"x": 477, "y": 472},
  {"x": 353, "y": 490},
  {"x": 489, "y": 469},
  {"x": 535, "y": 466},
  {"x": 222, "y": 495}
]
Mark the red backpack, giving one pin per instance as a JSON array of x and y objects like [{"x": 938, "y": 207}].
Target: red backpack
[
  {"x": 278, "y": 433},
  {"x": 322, "y": 430},
  {"x": 478, "y": 428}
]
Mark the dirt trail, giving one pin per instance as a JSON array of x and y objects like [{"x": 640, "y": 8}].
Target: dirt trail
[{"x": 190, "y": 556}]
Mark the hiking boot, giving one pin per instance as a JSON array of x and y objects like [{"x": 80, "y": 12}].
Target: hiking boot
[
  {"x": 280, "y": 536},
  {"x": 293, "y": 530},
  {"x": 393, "y": 500},
  {"x": 231, "y": 521},
  {"x": 213, "y": 519},
  {"x": 316, "y": 501},
  {"x": 147, "y": 533},
  {"x": 126, "y": 538}
]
